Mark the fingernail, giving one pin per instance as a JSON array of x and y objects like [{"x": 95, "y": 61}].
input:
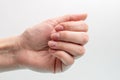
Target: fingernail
[
  {"x": 52, "y": 44},
  {"x": 59, "y": 28},
  {"x": 55, "y": 36}
]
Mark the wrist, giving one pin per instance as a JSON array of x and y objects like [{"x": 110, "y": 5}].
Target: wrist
[{"x": 9, "y": 47}]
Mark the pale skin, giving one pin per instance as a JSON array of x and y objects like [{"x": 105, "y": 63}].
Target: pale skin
[{"x": 50, "y": 46}]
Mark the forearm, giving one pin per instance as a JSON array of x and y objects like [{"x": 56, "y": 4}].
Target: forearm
[{"x": 8, "y": 47}]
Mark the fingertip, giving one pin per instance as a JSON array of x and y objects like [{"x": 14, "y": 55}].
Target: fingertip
[
  {"x": 59, "y": 28},
  {"x": 52, "y": 44},
  {"x": 55, "y": 36}
]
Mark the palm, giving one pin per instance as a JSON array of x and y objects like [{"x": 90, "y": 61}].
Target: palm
[
  {"x": 41, "y": 60},
  {"x": 36, "y": 54}
]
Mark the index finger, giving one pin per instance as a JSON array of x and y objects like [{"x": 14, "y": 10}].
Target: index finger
[{"x": 74, "y": 17}]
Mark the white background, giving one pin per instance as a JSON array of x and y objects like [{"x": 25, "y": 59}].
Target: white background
[{"x": 102, "y": 59}]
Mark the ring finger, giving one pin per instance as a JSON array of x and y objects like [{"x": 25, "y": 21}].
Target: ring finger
[{"x": 73, "y": 49}]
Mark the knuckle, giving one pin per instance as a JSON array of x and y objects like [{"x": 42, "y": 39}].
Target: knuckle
[
  {"x": 86, "y": 27},
  {"x": 71, "y": 62},
  {"x": 83, "y": 24},
  {"x": 85, "y": 38},
  {"x": 81, "y": 51}
]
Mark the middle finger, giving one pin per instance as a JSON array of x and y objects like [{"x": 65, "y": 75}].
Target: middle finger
[{"x": 68, "y": 36}]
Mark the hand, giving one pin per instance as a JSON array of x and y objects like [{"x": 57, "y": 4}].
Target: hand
[
  {"x": 34, "y": 50},
  {"x": 68, "y": 42}
]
